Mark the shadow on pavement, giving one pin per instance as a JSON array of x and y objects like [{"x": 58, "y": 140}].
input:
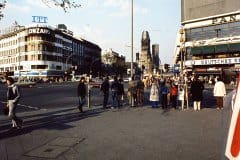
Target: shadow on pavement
[{"x": 48, "y": 121}]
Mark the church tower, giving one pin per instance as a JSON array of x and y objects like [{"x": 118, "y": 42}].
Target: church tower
[{"x": 145, "y": 59}]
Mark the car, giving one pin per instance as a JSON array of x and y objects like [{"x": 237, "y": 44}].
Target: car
[
  {"x": 25, "y": 83},
  {"x": 96, "y": 83},
  {"x": 126, "y": 80}
]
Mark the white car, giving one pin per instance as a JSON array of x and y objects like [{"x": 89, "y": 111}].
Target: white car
[{"x": 25, "y": 83}]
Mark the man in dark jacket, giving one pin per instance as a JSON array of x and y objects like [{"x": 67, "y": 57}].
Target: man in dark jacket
[
  {"x": 197, "y": 88},
  {"x": 81, "y": 93},
  {"x": 115, "y": 93},
  {"x": 105, "y": 90}
]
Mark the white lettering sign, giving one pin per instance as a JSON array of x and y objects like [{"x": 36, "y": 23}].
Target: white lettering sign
[
  {"x": 38, "y": 31},
  {"x": 221, "y": 20},
  {"x": 39, "y": 19},
  {"x": 213, "y": 61}
]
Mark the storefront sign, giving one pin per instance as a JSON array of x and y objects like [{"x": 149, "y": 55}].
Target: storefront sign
[
  {"x": 221, "y": 20},
  {"x": 213, "y": 61},
  {"x": 38, "y": 31}
]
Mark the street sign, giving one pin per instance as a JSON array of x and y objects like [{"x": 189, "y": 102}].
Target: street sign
[
  {"x": 233, "y": 141},
  {"x": 176, "y": 68}
]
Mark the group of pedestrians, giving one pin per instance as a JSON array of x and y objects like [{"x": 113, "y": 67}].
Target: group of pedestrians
[
  {"x": 165, "y": 92},
  {"x": 162, "y": 90}
]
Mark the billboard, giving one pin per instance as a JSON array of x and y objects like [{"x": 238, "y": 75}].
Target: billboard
[{"x": 196, "y": 9}]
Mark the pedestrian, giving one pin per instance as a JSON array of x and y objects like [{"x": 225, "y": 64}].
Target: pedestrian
[
  {"x": 121, "y": 92},
  {"x": 82, "y": 91},
  {"x": 140, "y": 92},
  {"x": 105, "y": 89},
  {"x": 154, "y": 94},
  {"x": 164, "y": 92},
  {"x": 115, "y": 93},
  {"x": 174, "y": 94},
  {"x": 196, "y": 91},
  {"x": 219, "y": 92},
  {"x": 132, "y": 92},
  {"x": 13, "y": 96}
]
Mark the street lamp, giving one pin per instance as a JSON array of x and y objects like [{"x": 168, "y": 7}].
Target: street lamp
[
  {"x": 19, "y": 59},
  {"x": 67, "y": 59},
  {"x": 183, "y": 59},
  {"x": 132, "y": 100},
  {"x": 89, "y": 87}
]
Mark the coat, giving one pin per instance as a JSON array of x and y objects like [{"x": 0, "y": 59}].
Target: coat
[
  {"x": 82, "y": 91},
  {"x": 16, "y": 93},
  {"x": 219, "y": 89},
  {"x": 197, "y": 90},
  {"x": 154, "y": 92}
]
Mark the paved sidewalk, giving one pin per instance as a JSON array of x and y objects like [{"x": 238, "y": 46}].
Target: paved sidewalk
[{"x": 126, "y": 134}]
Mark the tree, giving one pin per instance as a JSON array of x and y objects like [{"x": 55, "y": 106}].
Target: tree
[
  {"x": 2, "y": 6},
  {"x": 64, "y": 4}
]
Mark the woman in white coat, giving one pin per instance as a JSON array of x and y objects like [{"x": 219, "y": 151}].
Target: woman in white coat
[
  {"x": 154, "y": 94},
  {"x": 219, "y": 92}
]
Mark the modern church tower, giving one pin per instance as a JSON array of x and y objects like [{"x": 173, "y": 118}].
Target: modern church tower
[{"x": 145, "y": 58}]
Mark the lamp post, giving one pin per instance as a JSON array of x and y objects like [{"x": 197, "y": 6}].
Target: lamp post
[
  {"x": 67, "y": 59},
  {"x": 90, "y": 77},
  {"x": 19, "y": 59},
  {"x": 183, "y": 59},
  {"x": 132, "y": 100}
]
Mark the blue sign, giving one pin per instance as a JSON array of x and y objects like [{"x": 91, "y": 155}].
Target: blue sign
[
  {"x": 176, "y": 68},
  {"x": 39, "y": 19}
]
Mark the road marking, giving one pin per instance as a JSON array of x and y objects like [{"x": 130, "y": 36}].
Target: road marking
[{"x": 30, "y": 107}]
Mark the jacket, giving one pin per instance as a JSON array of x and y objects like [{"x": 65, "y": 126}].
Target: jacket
[
  {"x": 219, "y": 89},
  {"x": 154, "y": 92},
  {"x": 16, "y": 93}
]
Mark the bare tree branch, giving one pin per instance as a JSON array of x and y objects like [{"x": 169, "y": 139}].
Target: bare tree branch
[
  {"x": 2, "y": 6},
  {"x": 64, "y": 4}
]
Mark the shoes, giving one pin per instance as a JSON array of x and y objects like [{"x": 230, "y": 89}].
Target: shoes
[
  {"x": 13, "y": 128},
  {"x": 218, "y": 108},
  {"x": 20, "y": 124},
  {"x": 80, "y": 108}
]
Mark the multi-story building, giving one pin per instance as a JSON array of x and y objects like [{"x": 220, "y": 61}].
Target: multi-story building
[
  {"x": 114, "y": 62},
  {"x": 208, "y": 43},
  {"x": 44, "y": 51}
]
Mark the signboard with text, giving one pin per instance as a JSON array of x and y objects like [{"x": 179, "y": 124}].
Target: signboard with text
[{"x": 213, "y": 61}]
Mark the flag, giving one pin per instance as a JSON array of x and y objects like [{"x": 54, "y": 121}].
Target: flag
[{"x": 233, "y": 141}]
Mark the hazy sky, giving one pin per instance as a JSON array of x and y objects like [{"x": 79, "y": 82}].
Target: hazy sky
[{"x": 108, "y": 22}]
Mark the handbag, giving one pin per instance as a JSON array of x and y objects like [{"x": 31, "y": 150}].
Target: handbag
[{"x": 5, "y": 110}]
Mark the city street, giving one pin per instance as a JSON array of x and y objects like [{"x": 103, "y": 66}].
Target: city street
[{"x": 54, "y": 129}]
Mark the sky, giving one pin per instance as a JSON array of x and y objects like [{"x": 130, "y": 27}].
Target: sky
[{"x": 107, "y": 22}]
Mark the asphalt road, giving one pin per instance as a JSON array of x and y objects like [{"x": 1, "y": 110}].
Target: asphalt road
[{"x": 54, "y": 129}]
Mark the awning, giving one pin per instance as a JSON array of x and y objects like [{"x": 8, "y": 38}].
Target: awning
[
  {"x": 234, "y": 47},
  {"x": 215, "y": 49},
  {"x": 223, "y": 48}
]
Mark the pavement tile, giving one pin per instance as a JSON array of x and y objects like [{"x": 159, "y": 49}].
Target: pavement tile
[
  {"x": 47, "y": 151},
  {"x": 64, "y": 142}
]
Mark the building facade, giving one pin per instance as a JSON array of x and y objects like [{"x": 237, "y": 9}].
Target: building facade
[
  {"x": 208, "y": 43},
  {"x": 44, "y": 51},
  {"x": 113, "y": 62}
]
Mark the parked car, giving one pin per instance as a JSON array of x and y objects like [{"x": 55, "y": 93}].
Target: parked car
[
  {"x": 126, "y": 80},
  {"x": 25, "y": 83},
  {"x": 96, "y": 83}
]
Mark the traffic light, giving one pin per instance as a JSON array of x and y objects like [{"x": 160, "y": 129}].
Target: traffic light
[{"x": 166, "y": 67}]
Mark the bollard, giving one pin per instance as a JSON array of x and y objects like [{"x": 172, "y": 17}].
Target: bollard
[{"x": 89, "y": 95}]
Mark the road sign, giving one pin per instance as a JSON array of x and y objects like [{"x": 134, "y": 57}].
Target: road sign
[{"x": 233, "y": 141}]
